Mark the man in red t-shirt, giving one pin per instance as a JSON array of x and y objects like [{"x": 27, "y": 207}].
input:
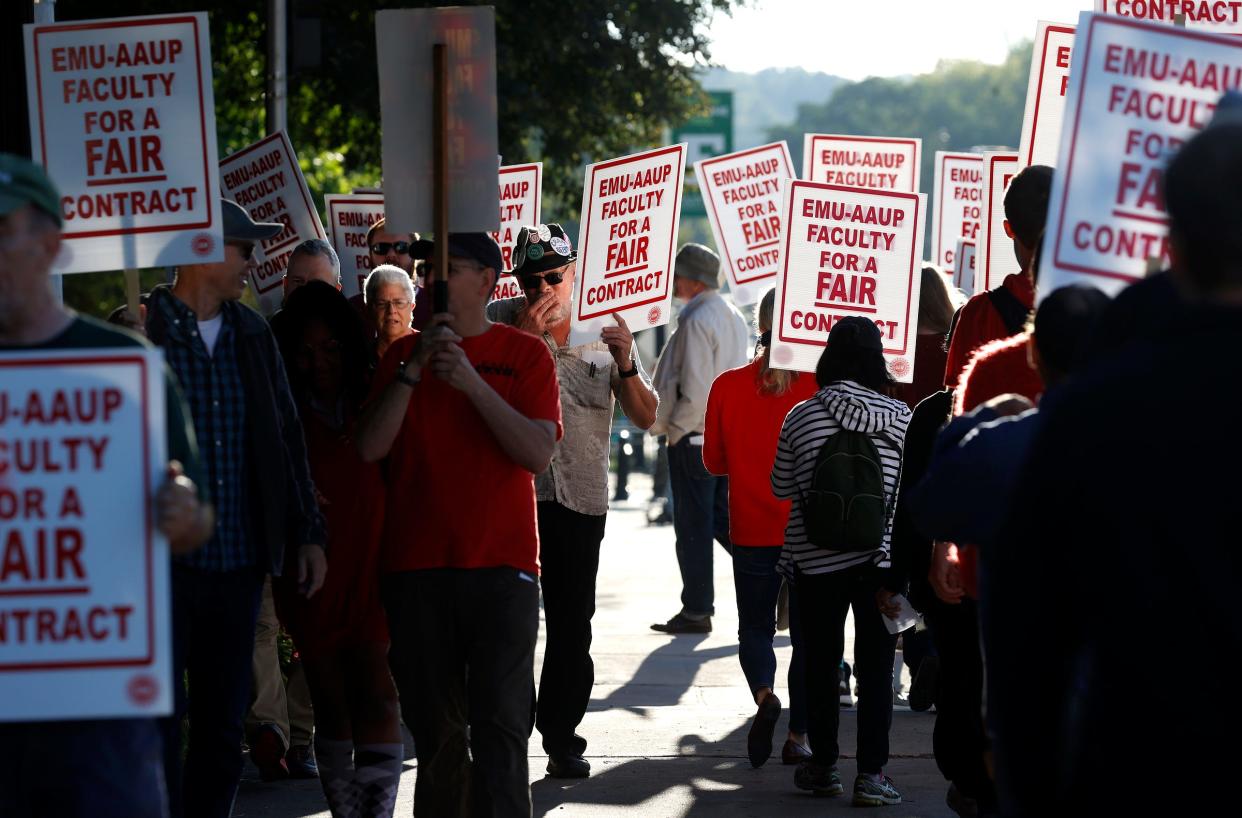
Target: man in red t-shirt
[{"x": 467, "y": 412}]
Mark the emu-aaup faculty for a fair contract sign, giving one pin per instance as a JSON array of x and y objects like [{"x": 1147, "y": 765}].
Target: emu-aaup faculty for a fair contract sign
[
  {"x": 630, "y": 211},
  {"x": 1138, "y": 92},
  {"x": 123, "y": 118},
  {"x": 848, "y": 251},
  {"x": 84, "y": 611},
  {"x": 521, "y": 193}
]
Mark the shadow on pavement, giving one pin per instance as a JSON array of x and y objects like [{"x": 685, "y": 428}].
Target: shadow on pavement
[{"x": 664, "y": 675}]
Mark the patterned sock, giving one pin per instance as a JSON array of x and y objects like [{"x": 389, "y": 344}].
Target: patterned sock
[
  {"x": 336, "y": 775},
  {"x": 377, "y": 773}
]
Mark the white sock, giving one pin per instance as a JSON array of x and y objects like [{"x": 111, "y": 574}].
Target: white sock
[
  {"x": 377, "y": 774},
  {"x": 336, "y": 775}
]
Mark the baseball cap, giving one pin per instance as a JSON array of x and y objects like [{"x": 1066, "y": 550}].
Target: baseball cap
[
  {"x": 698, "y": 262},
  {"x": 541, "y": 247},
  {"x": 479, "y": 247},
  {"x": 22, "y": 182},
  {"x": 238, "y": 226}
]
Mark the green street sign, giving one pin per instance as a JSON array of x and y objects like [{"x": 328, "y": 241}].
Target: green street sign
[{"x": 705, "y": 137}]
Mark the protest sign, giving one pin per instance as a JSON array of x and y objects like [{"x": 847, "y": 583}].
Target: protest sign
[
  {"x": 265, "y": 179},
  {"x": 85, "y": 624},
  {"x": 1215, "y": 16},
  {"x": 964, "y": 266},
  {"x": 350, "y": 216},
  {"x": 958, "y": 191},
  {"x": 862, "y": 161},
  {"x": 123, "y": 118},
  {"x": 1046, "y": 87},
  {"x": 742, "y": 192},
  {"x": 404, "y": 40},
  {"x": 1138, "y": 92},
  {"x": 848, "y": 251},
  {"x": 996, "y": 257},
  {"x": 631, "y": 207},
  {"x": 521, "y": 191}
]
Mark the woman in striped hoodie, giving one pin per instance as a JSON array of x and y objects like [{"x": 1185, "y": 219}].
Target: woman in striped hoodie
[{"x": 854, "y": 385}]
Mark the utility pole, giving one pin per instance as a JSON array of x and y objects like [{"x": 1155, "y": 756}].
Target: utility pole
[
  {"x": 277, "y": 65},
  {"x": 45, "y": 12}
]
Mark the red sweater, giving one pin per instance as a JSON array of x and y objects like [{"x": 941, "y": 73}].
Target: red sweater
[
  {"x": 999, "y": 367},
  {"x": 929, "y": 360},
  {"x": 979, "y": 322},
  {"x": 739, "y": 441}
]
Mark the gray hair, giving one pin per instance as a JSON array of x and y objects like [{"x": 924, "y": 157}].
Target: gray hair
[
  {"x": 318, "y": 247},
  {"x": 387, "y": 274}
]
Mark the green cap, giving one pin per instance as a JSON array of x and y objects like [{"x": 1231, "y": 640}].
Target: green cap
[{"x": 23, "y": 181}]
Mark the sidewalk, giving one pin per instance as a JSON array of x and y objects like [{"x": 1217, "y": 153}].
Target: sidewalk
[{"x": 667, "y": 722}]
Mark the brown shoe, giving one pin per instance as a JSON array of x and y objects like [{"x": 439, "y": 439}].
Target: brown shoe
[{"x": 794, "y": 753}]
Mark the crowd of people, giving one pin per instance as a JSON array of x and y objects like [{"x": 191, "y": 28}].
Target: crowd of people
[{"x": 399, "y": 490}]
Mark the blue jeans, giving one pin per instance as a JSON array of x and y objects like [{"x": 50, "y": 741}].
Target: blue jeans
[
  {"x": 105, "y": 768},
  {"x": 213, "y": 638},
  {"x": 700, "y": 513},
  {"x": 757, "y": 585}
]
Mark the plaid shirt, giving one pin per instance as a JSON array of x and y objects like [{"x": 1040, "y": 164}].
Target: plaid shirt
[{"x": 213, "y": 388}]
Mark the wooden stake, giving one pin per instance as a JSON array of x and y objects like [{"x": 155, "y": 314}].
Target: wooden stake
[
  {"x": 440, "y": 203},
  {"x": 132, "y": 296}
]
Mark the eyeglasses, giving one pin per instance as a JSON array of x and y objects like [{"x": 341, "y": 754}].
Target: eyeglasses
[
  {"x": 385, "y": 306},
  {"x": 381, "y": 248},
  {"x": 531, "y": 282},
  {"x": 246, "y": 248}
]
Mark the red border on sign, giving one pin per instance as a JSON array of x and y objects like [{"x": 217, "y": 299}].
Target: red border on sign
[
  {"x": 57, "y": 28},
  {"x": 292, "y": 160},
  {"x": 783, "y": 151},
  {"x": 672, "y": 242},
  {"x": 148, "y": 514},
  {"x": 1160, "y": 21},
  {"x": 537, "y": 167},
  {"x": 1230, "y": 40},
  {"x": 944, "y": 157},
  {"x": 914, "y": 265},
  {"x": 987, "y": 237},
  {"x": 1039, "y": 83},
  {"x": 959, "y": 267},
  {"x": 348, "y": 199},
  {"x": 887, "y": 140}
]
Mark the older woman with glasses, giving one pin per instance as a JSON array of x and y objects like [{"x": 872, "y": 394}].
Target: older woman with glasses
[{"x": 389, "y": 295}]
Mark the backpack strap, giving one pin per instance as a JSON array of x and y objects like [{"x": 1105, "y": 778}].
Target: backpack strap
[
  {"x": 891, "y": 503},
  {"x": 1011, "y": 310}
]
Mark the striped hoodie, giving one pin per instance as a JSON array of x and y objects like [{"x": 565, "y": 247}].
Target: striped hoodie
[{"x": 839, "y": 405}]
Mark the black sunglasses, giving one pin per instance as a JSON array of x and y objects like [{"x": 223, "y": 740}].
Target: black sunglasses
[
  {"x": 531, "y": 282},
  {"x": 380, "y": 248}
]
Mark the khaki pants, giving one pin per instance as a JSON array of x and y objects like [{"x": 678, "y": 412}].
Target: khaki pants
[{"x": 284, "y": 705}]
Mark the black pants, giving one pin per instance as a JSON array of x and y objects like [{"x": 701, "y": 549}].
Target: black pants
[
  {"x": 959, "y": 740},
  {"x": 463, "y": 652},
  {"x": 823, "y": 602},
  {"x": 569, "y": 553}
]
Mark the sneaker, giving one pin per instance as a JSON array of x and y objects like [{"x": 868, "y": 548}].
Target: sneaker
[
  {"x": 818, "y": 779},
  {"x": 875, "y": 791},
  {"x": 684, "y": 624},
  {"x": 847, "y": 700},
  {"x": 301, "y": 762},
  {"x": 267, "y": 751},
  {"x": 923, "y": 688}
]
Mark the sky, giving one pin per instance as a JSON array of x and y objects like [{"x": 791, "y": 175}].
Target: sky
[{"x": 854, "y": 39}]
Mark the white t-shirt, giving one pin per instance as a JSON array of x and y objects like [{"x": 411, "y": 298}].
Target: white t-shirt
[{"x": 210, "y": 331}]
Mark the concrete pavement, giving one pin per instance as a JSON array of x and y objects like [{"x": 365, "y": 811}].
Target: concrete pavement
[{"x": 668, "y": 719}]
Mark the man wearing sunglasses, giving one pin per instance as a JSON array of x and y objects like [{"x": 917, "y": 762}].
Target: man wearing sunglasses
[
  {"x": 572, "y": 492},
  {"x": 407, "y": 251},
  {"x": 257, "y": 475}
]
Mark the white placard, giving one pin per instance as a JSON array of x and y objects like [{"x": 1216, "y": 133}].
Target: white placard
[
  {"x": 123, "y": 118},
  {"x": 521, "y": 193},
  {"x": 958, "y": 192},
  {"x": 631, "y": 207},
  {"x": 85, "y": 622},
  {"x": 742, "y": 192},
  {"x": 265, "y": 178},
  {"x": 1138, "y": 92},
  {"x": 996, "y": 256},
  {"x": 350, "y": 216},
  {"x": 404, "y": 40},
  {"x": 881, "y": 162},
  {"x": 964, "y": 268},
  {"x": 848, "y": 251},
  {"x": 1214, "y": 16},
  {"x": 1046, "y": 87}
]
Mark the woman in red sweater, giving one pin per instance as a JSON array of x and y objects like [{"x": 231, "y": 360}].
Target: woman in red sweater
[{"x": 745, "y": 410}]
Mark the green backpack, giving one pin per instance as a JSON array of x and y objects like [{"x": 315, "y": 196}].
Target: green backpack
[{"x": 845, "y": 509}]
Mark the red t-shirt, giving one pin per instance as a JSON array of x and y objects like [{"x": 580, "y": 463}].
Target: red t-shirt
[
  {"x": 997, "y": 368},
  {"x": 979, "y": 322},
  {"x": 741, "y": 429},
  {"x": 455, "y": 499}
]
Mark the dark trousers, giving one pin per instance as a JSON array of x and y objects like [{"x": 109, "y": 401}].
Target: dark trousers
[
  {"x": 569, "y": 556},
  {"x": 757, "y": 586},
  {"x": 213, "y": 639},
  {"x": 700, "y": 513},
  {"x": 105, "y": 768},
  {"x": 959, "y": 740},
  {"x": 463, "y": 653},
  {"x": 823, "y": 602}
]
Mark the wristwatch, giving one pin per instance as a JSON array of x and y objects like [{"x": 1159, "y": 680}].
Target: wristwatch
[
  {"x": 632, "y": 371},
  {"x": 403, "y": 376}
]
